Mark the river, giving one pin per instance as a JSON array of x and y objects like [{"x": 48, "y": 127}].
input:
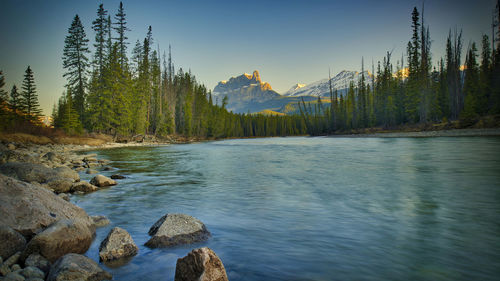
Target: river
[{"x": 322, "y": 208}]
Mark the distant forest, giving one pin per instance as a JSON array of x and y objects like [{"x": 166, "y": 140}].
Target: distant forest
[
  {"x": 109, "y": 92},
  {"x": 417, "y": 92}
]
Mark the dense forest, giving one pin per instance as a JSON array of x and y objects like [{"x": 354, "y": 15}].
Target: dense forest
[
  {"x": 109, "y": 92},
  {"x": 416, "y": 91}
]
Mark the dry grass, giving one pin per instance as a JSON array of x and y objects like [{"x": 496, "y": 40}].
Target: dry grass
[
  {"x": 55, "y": 139},
  {"x": 25, "y": 138}
]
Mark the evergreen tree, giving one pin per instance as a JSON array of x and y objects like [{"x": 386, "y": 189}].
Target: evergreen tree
[
  {"x": 414, "y": 60},
  {"x": 15, "y": 100},
  {"x": 99, "y": 25},
  {"x": 483, "y": 104},
  {"x": 121, "y": 28},
  {"x": 29, "y": 98},
  {"x": 3, "y": 93},
  {"x": 454, "y": 85},
  {"x": 471, "y": 85},
  {"x": 75, "y": 62}
]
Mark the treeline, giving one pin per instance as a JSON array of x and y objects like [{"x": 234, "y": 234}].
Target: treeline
[
  {"x": 108, "y": 92},
  {"x": 19, "y": 106},
  {"x": 417, "y": 92}
]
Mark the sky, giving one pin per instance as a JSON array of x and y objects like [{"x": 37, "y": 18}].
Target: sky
[{"x": 288, "y": 42}]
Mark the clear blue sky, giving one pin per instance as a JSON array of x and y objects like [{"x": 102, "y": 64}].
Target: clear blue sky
[{"x": 287, "y": 41}]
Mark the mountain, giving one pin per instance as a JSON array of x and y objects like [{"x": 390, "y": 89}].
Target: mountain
[
  {"x": 321, "y": 88},
  {"x": 245, "y": 93}
]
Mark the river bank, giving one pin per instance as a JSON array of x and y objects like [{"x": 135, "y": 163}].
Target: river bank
[
  {"x": 43, "y": 234},
  {"x": 427, "y": 134}
]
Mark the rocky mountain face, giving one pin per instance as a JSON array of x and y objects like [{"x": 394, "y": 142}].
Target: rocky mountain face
[
  {"x": 245, "y": 93},
  {"x": 340, "y": 82}
]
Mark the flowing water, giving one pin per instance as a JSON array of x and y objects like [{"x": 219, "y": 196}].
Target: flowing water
[{"x": 314, "y": 208}]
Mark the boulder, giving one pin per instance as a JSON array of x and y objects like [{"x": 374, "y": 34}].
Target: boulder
[
  {"x": 38, "y": 261},
  {"x": 91, "y": 171},
  {"x": 108, "y": 168},
  {"x": 77, "y": 267},
  {"x": 102, "y": 181},
  {"x": 176, "y": 229},
  {"x": 117, "y": 177},
  {"x": 62, "y": 237},
  {"x": 28, "y": 208},
  {"x": 100, "y": 221},
  {"x": 118, "y": 244},
  {"x": 32, "y": 272},
  {"x": 200, "y": 264},
  {"x": 31, "y": 172},
  {"x": 60, "y": 185},
  {"x": 11, "y": 241},
  {"x": 51, "y": 156},
  {"x": 83, "y": 186}
]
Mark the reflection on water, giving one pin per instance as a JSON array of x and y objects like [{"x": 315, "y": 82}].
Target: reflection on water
[{"x": 315, "y": 208}]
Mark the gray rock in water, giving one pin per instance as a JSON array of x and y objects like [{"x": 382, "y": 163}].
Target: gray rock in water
[
  {"x": 32, "y": 272},
  {"x": 200, "y": 264},
  {"x": 108, "y": 168},
  {"x": 62, "y": 237},
  {"x": 91, "y": 171},
  {"x": 100, "y": 221},
  {"x": 15, "y": 267},
  {"x": 117, "y": 177},
  {"x": 176, "y": 229},
  {"x": 60, "y": 185},
  {"x": 38, "y": 261},
  {"x": 13, "y": 276},
  {"x": 102, "y": 181},
  {"x": 83, "y": 186},
  {"x": 77, "y": 267},
  {"x": 117, "y": 245},
  {"x": 28, "y": 208},
  {"x": 11, "y": 241},
  {"x": 51, "y": 156}
]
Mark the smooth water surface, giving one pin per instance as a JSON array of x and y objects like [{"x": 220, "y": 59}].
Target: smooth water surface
[{"x": 314, "y": 208}]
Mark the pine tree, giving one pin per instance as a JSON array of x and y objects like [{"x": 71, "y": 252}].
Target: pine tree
[
  {"x": 471, "y": 85},
  {"x": 99, "y": 27},
  {"x": 29, "y": 98},
  {"x": 483, "y": 105},
  {"x": 14, "y": 101},
  {"x": 75, "y": 62},
  {"x": 71, "y": 121},
  {"x": 120, "y": 29},
  {"x": 453, "y": 55},
  {"x": 414, "y": 60}
]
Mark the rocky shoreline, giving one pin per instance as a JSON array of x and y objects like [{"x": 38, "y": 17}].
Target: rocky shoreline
[{"x": 43, "y": 236}]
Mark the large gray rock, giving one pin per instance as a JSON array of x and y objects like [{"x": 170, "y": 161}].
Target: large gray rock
[
  {"x": 202, "y": 265},
  {"x": 31, "y": 172},
  {"x": 60, "y": 185},
  {"x": 5, "y": 267},
  {"x": 83, "y": 186},
  {"x": 11, "y": 241},
  {"x": 38, "y": 261},
  {"x": 14, "y": 276},
  {"x": 78, "y": 268},
  {"x": 62, "y": 237},
  {"x": 102, "y": 181},
  {"x": 28, "y": 208},
  {"x": 176, "y": 229},
  {"x": 117, "y": 245}
]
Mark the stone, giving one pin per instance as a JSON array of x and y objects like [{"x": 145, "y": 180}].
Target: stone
[
  {"x": 5, "y": 267},
  {"x": 117, "y": 245},
  {"x": 176, "y": 229},
  {"x": 38, "y": 261},
  {"x": 107, "y": 168},
  {"x": 15, "y": 267},
  {"x": 11, "y": 241},
  {"x": 51, "y": 156},
  {"x": 29, "y": 209},
  {"x": 31, "y": 172},
  {"x": 62, "y": 237},
  {"x": 200, "y": 264},
  {"x": 11, "y": 146},
  {"x": 83, "y": 186},
  {"x": 91, "y": 171},
  {"x": 32, "y": 272},
  {"x": 77, "y": 267},
  {"x": 60, "y": 185},
  {"x": 64, "y": 196},
  {"x": 13, "y": 276},
  {"x": 117, "y": 177},
  {"x": 102, "y": 181},
  {"x": 100, "y": 221}
]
